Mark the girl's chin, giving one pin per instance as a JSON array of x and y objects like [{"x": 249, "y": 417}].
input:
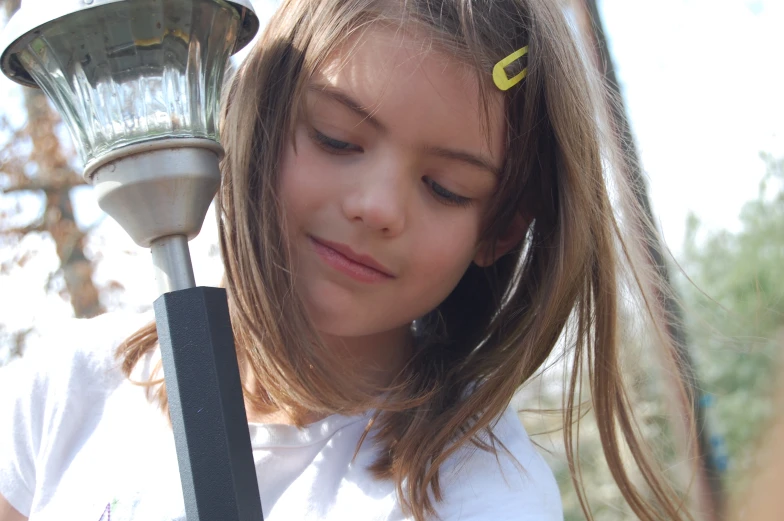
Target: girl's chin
[
  {"x": 337, "y": 328},
  {"x": 337, "y": 314},
  {"x": 333, "y": 323}
]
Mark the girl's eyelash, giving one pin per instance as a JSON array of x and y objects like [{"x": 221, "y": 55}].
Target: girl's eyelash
[
  {"x": 445, "y": 196},
  {"x": 331, "y": 145},
  {"x": 335, "y": 146}
]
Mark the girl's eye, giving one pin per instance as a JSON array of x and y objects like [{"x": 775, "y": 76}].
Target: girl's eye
[
  {"x": 445, "y": 196},
  {"x": 331, "y": 145}
]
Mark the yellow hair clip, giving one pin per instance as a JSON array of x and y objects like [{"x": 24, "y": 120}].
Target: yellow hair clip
[{"x": 501, "y": 80}]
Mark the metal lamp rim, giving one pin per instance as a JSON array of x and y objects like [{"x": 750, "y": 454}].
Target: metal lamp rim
[
  {"x": 26, "y": 21},
  {"x": 148, "y": 146}
]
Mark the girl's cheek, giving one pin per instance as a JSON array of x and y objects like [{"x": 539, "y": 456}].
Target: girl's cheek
[
  {"x": 299, "y": 164},
  {"x": 447, "y": 245}
]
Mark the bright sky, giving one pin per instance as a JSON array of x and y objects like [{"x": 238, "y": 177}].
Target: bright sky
[{"x": 704, "y": 88}]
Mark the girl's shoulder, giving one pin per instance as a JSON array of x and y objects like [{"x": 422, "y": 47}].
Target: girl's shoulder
[
  {"x": 74, "y": 350},
  {"x": 52, "y": 398},
  {"x": 68, "y": 369},
  {"x": 515, "y": 483},
  {"x": 68, "y": 360}
]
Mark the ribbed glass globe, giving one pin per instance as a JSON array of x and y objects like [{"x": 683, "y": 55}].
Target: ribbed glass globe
[{"x": 127, "y": 72}]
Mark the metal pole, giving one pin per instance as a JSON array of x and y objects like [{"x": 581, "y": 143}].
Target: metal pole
[
  {"x": 710, "y": 495},
  {"x": 172, "y": 261},
  {"x": 206, "y": 406}
]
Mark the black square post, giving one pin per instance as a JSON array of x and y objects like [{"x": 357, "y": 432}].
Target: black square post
[{"x": 206, "y": 406}]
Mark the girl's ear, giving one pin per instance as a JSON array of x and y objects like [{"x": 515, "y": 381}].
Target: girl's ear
[{"x": 514, "y": 234}]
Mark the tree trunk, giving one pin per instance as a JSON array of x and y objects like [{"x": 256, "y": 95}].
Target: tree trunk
[{"x": 55, "y": 178}]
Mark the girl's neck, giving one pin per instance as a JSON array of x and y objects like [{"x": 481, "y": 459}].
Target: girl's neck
[
  {"x": 374, "y": 359},
  {"x": 377, "y": 358}
]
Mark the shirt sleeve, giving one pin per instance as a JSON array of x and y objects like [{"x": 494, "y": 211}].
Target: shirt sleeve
[
  {"x": 44, "y": 398},
  {"x": 22, "y": 402},
  {"x": 477, "y": 485}
]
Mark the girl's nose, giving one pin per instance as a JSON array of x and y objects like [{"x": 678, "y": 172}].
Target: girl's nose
[{"x": 378, "y": 197}]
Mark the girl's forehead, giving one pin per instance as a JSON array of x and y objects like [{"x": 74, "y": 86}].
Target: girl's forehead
[
  {"x": 392, "y": 51},
  {"x": 407, "y": 86}
]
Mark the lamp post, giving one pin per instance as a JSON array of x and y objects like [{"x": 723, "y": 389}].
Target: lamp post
[{"x": 137, "y": 83}]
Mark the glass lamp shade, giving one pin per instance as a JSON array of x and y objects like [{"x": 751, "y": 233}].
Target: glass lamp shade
[{"x": 125, "y": 72}]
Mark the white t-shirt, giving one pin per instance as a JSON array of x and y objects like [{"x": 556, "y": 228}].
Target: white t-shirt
[{"x": 78, "y": 441}]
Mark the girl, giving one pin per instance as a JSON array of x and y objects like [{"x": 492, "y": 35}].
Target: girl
[{"x": 413, "y": 212}]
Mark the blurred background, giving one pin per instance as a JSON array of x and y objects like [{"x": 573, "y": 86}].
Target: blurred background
[{"x": 703, "y": 89}]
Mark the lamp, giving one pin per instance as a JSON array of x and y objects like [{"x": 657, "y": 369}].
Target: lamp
[{"x": 137, "y": 83}]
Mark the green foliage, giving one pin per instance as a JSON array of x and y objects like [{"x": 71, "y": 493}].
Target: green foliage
[
  {"x": 647, "y": 385},
  {"x": 735, "y": 314}
]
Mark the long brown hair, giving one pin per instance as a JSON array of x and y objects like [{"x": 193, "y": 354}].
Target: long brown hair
[{"x": 500, "y": 324}]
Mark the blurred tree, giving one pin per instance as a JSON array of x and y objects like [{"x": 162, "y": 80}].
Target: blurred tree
[
  {"x": 736, "y": 320},
  {"x": 33, "y": 160},
  {"x": 655, "y": 417},
  {"x": 734, "y": 313}
]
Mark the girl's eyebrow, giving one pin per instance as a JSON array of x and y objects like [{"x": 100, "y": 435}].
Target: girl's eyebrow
[
  {"x": 456, "y": 155},
  {"x": 344, "y": 99},
  {"x": 465, "y": 157}
]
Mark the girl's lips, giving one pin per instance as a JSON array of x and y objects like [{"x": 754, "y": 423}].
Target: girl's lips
[{"x": 341, "y": 257}]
